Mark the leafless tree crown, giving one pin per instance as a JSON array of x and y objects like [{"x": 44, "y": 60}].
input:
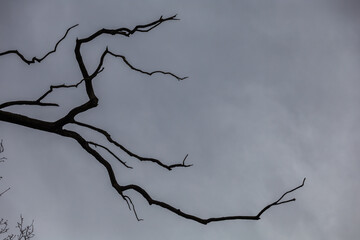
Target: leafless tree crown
[{"x": 58, "y": 127}]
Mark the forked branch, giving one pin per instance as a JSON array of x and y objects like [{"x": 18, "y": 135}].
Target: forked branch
[
  {"x": 39, "y": 102},
  {"x": 130, "y": 153}
]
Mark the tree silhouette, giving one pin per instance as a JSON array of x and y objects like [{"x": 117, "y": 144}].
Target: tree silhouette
[{"x": 58, "y": 127}]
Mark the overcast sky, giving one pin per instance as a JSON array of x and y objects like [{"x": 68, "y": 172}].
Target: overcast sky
[{"x": 272, "y": 97}]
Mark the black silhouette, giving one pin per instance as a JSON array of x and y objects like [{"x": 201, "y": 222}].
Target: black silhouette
[{"x": 57, "y": 127}]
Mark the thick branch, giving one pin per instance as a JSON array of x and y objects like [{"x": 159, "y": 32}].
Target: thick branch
[
  {"x": 35, "y": 59},
  {"x": 28, "y": 122}
]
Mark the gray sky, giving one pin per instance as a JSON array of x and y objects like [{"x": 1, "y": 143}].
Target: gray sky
[{"x": 272, "y": 97}]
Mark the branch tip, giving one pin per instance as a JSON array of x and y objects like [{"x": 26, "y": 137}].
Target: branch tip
[{"x": 185, "y": 158}]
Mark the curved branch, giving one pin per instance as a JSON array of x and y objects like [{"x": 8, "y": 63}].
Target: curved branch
[
  {"x": 205, "y": 221},
  {"x": 121, "y": 189},
  {"x": 35, "y": 59},
  {"x": 99, "y": 68}
]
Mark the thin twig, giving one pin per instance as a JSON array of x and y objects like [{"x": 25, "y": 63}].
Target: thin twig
[
  {"x": 142, "y": 71},
  {"x": 109, "y": 151},
  {"x": 130, "y": 203},
  {"x": 278, "y": 202},
  {"x": 2, "y": 193},
  {"x": 35, "y": 59}
]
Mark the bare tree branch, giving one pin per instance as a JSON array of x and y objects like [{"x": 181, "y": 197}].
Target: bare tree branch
[
  {"x": 204, "y": 221},
  {"x": 58, "y": 127},
  {"x": 35, "y": 59},
  {"x": 130, "y": 153}
]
